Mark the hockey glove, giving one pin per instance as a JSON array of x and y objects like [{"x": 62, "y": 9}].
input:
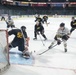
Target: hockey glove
[
  {"x": 58, "y": 42},
  {"x": 65, "y": 37}
]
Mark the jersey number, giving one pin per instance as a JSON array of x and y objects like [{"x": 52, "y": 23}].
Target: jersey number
[{"x": 19, "y": 35}]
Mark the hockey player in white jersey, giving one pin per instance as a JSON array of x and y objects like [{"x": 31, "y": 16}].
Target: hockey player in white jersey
[
  {"x": 9, "y": 22},
  {"x": 61, "y": 35}
]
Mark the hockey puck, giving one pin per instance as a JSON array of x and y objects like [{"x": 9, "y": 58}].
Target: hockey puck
[{"x": 34, "y": 51}]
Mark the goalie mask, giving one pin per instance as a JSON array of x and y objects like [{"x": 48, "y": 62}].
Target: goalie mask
[{"x": 23, "y": 28}]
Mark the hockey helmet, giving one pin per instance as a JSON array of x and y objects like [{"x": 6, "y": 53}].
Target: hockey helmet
[
  {"x": 9, "y": 17},
  {"x": 23, "y": 27},
  {"x": 62, "y": 24},
  {"x": 72, "y": 17}
]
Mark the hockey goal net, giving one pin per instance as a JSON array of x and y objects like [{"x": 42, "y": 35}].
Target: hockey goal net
[{"x": 4, "y": 55}]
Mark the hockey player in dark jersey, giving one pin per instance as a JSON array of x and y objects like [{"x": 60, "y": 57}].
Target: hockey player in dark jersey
[
  {"x": 45, "y": 18},
  {"x": 73, "y": 25},
  {"x": 19, "y": 40},
  {"x": 38, "y": 18},
  {"x": 2, "y": 18},
  {"x": 39, "y": 28}
]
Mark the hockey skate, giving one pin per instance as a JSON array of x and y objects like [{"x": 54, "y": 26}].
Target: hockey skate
[
  {"x": 51, "y": 45},
  {"x": 26, "y": 55},
  {"x": 65, "y": 50},
  {"x": 34, "y": 38},
  {"x": 45, "y": 39}
]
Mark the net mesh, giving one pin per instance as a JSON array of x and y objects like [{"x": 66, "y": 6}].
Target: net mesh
[{"x": 4, "y": 55}]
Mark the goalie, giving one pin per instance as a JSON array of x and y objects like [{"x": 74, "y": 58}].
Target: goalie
[
  {"x": 21, "y": 40},
  {"x": 62, "y": 34}
]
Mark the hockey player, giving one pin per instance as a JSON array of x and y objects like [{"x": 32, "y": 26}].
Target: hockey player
[
  {"x": 36, "y": 15},
  {"x": 38, "y": 18},
  {"x": 20, "y": 40},
  {"x": 39, "y": 28},
  {"x": 62, "y": 34},
  {"x": 9, "y": 22},
  {"x": 73, "y": 25},
  {"x": 45, "y": 18},
  {"x": 2, "y": 18}
]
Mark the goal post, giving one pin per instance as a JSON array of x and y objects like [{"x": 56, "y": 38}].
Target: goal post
[{"x": 4, "y": 51}]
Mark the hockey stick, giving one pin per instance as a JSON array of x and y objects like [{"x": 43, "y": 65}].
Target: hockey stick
[
  {"x": 41, "y": 40},
  {"x": 47, "y": 50}
]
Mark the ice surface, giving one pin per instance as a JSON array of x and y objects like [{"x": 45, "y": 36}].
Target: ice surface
[{"x": 53, "y": 62}]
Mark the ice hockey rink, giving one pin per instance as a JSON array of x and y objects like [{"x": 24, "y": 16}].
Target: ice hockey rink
[{"x": 53, "y": 62}]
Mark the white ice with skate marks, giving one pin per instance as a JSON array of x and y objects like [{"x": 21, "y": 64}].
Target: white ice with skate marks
[{"x": 53, "y": 62}]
